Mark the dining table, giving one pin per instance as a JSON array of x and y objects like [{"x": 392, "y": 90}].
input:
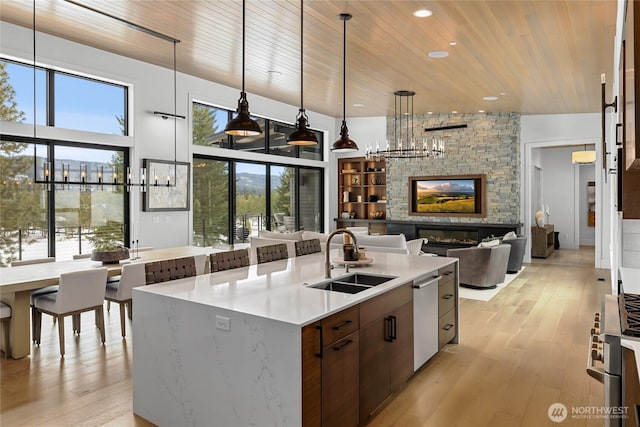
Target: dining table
[{"x": 16, "y": 284}]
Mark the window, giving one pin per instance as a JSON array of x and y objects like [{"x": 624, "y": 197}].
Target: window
[
  {"x": 208, "y": 130},
  {"x": 229, "y": 208},
  {"x": 36, "y": 222},
  {"x": 71, "y": 99}
]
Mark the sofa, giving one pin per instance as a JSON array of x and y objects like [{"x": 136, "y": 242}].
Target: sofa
[
  {"x": 395, "y": 243},
  {"x": 482, "y": 267}
]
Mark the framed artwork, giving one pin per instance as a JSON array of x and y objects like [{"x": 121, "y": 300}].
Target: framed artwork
[{"x": 160, "y": 196}]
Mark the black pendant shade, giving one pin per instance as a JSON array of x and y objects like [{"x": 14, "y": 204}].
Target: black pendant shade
[
  {"x": 243, "y": 124},
  {"x": 302, "y": 135},
  {"x": 344, "y": 144}
]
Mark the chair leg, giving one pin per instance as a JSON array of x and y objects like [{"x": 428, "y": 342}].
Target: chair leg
[
  {"x": 38, "y": 325},
  {"x": 61, "y": 334},
  {"x": 100, "y": 316},
  {"x": 108, "y": 306},
  {"x": 76, "y": 323},
  {"x": 5, "y": 337},
  {"x": 33, "y": 324},
  {"x": 122, "y": 318},
  {"x": 130, "y": 307}
]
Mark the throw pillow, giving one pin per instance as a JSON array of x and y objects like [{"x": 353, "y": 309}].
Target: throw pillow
[
  {"x": 510, "y": 236},
  {"x": 489, "y": 244}
]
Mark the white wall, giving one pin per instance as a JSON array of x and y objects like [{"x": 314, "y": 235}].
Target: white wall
[
  {"x": 557, "y": 130},
  {"x": 152, "y": 137}
]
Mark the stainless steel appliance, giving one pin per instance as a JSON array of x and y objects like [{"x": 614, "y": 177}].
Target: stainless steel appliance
[
  {"x": 619, "y": 320},
  {"x": 425, "y": 318}
]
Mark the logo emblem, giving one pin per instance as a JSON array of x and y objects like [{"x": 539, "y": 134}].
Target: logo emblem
[{"x": 557, "y": 412}]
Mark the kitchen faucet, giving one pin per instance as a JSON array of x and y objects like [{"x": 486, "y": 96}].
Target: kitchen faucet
[{"x": 327, "y": 264}]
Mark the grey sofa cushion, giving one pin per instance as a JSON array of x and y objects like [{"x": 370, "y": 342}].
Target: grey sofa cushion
[{"x": 517, "y": 253}]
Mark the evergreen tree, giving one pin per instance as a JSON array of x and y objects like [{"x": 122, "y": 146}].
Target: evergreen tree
[
  {"x": 210, "y": 185},
  {"x": 8, "y": 107}
]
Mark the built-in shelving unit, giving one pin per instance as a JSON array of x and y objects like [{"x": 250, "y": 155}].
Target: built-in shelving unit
[{"x": 362, "y": 189}]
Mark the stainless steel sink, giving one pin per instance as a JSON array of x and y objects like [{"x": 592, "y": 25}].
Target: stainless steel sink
[{"x": 352, "y": 283}]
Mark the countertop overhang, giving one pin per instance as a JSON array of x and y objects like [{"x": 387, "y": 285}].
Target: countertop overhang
[{"x": 279, "y": 290}]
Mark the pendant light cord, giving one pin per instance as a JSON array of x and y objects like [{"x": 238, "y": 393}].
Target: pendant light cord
[
  {"x": 175, "y": 112},
  {"x": 243, "y": 30},
  {"x": 344, "y": 72},
  {"x": 34, "y": 70},
  {"x": 301, "y": 56}
]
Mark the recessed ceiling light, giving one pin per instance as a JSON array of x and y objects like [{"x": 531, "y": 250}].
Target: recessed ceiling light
[
  {"x": 454, "y": 112},
  {"x": 480, "y": 111},
  {"x": 438, "y": 54},
  {"x": 358, "y": 105},
  {"x": 489, "y": 98},
  {"x": 429, "y": 112},
  {"x": 453, "y": 43},
  {"x": 503, "y": 93},
  {"x": 422, "y": 13}
]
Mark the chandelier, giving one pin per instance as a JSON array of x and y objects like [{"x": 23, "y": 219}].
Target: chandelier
[{"x": 404, "y": 145}]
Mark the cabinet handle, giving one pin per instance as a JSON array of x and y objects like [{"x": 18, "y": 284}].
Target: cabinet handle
[
  {"x": 344, "y": 325},
  {"x": 394, "y": 328},
  {"x": 343, "y": 345},
  {"x": 319, "y": 328},
  {"x": 446, "y": 273},
  {"x": 447, "y": 296},
  {"x": 388, "y": 333},
  {"x": 447, "y": 326}
]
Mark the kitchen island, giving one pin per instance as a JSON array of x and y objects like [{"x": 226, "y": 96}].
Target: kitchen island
[{"x": 227, "y": 348}]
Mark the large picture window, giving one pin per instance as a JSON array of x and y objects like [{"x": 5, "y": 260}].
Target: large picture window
[
  {"x": 208, "y": 130},
  {"x": 61, "y": 220},
  {"x": 234, "y": 200},
  {"x": 65, "y": 100}
]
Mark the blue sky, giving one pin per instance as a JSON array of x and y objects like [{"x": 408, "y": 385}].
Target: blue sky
[{"x": 76, "y": 100}]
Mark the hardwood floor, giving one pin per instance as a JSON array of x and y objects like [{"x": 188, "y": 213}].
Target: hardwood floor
[{"x": 520, "y": 352}]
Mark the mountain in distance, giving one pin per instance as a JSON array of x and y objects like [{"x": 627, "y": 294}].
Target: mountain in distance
[{"x": 254, "y": 183}]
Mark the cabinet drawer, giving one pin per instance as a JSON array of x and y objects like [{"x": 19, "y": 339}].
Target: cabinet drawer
[
  {"x": 446, "y": 328},
  {"x": 372, "y": 309},
  {"x": 340, "y": 325},
  {"x": 447, "y": 273},
  {"x": 446, "y": 296}
]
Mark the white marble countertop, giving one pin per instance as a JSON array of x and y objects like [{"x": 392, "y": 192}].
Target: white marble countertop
[{"x": 277, "y": 290}]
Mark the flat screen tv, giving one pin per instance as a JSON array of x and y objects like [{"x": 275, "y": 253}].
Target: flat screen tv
[{"x": 460, "y": 195}]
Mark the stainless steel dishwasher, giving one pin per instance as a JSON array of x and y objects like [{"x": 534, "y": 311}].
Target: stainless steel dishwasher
[{"x": 425, "y": 318}]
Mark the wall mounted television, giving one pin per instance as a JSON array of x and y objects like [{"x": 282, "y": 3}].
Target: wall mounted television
[{"x": 459, "y": 195}]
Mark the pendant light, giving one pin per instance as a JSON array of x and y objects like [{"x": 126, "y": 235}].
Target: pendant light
[
  {"x": 302, "y": 135},
  {"x": 344, "y": 144},
  {"x": 243, "y": 124}
]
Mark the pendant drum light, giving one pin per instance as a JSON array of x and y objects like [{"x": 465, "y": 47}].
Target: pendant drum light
[
  {"x": 344, "y": 144},
  {"x": 302, "y": 135},
  {"x": 243, "y": 124}
]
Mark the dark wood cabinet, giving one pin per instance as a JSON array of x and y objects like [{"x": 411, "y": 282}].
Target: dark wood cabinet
[
  {"x": 330, "y": 363},
  {"x": 447, "y": 306},
  {"x": 386, "y": 347},
  {"x": 340, "y": 392}
]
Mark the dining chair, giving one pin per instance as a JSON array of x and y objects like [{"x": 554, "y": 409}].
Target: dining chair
[
  {"x": 5, "y": 319},
  {"x": 306, "y": 247},
  {"x": 121, "y": 292},
  {"x": 202, "y": 264},
  {"x": 162, "y": 271},
  {"x": 272, "y": 253},
  {"x": 228, "y": 260},
  {"x": 78, "y": 291}
]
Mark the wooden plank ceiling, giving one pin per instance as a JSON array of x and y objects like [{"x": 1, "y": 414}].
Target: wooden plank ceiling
[{"x": 537, "y": 57}]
